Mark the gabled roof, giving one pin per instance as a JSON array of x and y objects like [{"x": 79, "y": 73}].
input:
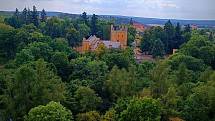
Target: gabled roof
[{"x": 110, "y": 44}]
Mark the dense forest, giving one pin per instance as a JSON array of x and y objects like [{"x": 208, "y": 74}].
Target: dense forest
[{"x": 43, "y": 78}]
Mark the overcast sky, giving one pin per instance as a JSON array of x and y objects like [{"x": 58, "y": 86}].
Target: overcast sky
[{"x": 174, "y": 9}]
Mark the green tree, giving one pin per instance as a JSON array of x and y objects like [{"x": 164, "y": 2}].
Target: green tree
[
  {"x": 8, "y": 44},
  {"x": 55, "y": 27},
  {"x": 131, "y": 35},
  {"x": 191, "y": 63},
  {"x": 122, "y": 83},
  {"x": 15, "y": 20},
  {"x": 16, "y": 14},
  {"x": 94, "y": 25},
  {"x": 40, "y": 50},
  {"x": 178, "y": 39},
  {"x": 31, "y": 85},
  {"x": 84, "y": 30},
  {"x": 43, "y": 16},
  {"x": 118, "y": 59},
  {"x": 200, "y": 105},
  {"x": 183, "y": 75},
  {"x": 162, "y": 79},
  {"x": 51, "y": 112},
  {"x": 147, "y": 42},
  {"x": 89, "y": 116},
  {"x": 110, "y": 115},
  {"x": 87, "y": 99},
  {"x": 29, "y": 16},
  {"x": 211, "y": 37},
  {"x": 158, "y": 49},
  {"x": 60, "y": 45},
  {"x": 23, "y": 39},
  {"x": 35, "y": 16},
  {"x": 85, "y": 69},
  {"x": 84, "y": 18},
  {"x": 169, "y": 32},
  {"x": 103, "y": 28},
  {"x": 187, "y": 32},
  {"x": 24, "y": 57},
  {"x": 24, "y": 15},
  {"x": 61, "y": 62},
  {"x": 145, "y": 109},
  {"x": 170, "y": 102},
  {"x": 73, "y": 37}
]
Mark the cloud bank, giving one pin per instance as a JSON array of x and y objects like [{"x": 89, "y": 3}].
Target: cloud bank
[{"x": 178, "y": 9}]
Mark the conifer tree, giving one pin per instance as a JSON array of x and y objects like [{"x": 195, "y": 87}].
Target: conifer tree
[
  {"x": 43, "y": 16},
  {"x": 131, "y": 21},
  {"x": 24, "y": 15},
  {"x": 93, "y": 24},
  {"x": 35, "y": 16},
  {"x": 84, "y": 18},
  {"x": 178, "y": 36},
  {"x": 29, "y": 17},
  {"x": 16, "y": 14},
  {"x": 169, "y": 36},
  {"x": 187, "y": 28},
  {"x": 211, "y": 37}
]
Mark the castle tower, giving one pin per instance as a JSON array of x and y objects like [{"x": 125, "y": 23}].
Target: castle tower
[{"x": 119, "y": 34}]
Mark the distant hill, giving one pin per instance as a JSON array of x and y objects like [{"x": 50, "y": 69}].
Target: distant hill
[{"x": 126, "y": 19}]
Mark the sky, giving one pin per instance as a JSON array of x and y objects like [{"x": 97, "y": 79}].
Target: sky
[{"x": 169, "y": 9}]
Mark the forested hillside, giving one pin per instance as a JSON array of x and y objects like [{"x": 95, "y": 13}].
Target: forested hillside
[
  {"x": 43, "y": 78},
  {"x": 126, "y": 19}
]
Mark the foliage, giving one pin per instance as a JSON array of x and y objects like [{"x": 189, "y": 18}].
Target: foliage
[
  {"x": 122, "y": 83},
  {"x": 93, "y": 25},
  {"x": 158, "y": 49},
  {"x": 32, "y": 84},
  {"x": 73, "y": 37},
  {"x": 87, "y": 99},
  {"x": 141, "y": 110},
  {"x": 110, "y": 115},
  {"x": 8, "y": 45},
  {"x": 89, "y": 116},
  {"x": 51, "y": 112}
]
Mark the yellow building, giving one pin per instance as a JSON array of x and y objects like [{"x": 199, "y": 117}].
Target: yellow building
[
  {"x": 119, "y": 34},
  {"x": 118, "y": 40}
]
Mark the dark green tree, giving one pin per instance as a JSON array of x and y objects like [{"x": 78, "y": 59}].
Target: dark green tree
[
  {"x": 85, "y": 18},
  {"x": 94, "y": 25},
  {"x": 187, "y": 28},
  {"x": 145, "y": 109},
  {"x": 87, "y": 99},
  {"x": 158, "y": 49},
  {"x": 55, "y": 28},
  {"x": 211, "y": 38},
  {"x": 35, "y": 16},
  {"x": 24, "y": 15},
  {"x": 131, "y": 35},
  {"x": 32, "y": 84},
  {"x": 29, "y": 16},
  {"x": 89, "y": 116},
  {"x": 131, "y": 21},
  {"x": 8, "y": 43},
  {"x": 84, "y": 31},
  {"x": 73, "y": 37},
  {"x": 169, "y": 32},
  {"x": 178, "y": 40},
  {"x": 43, "y": 16},
  {"x": 17, "y": 14},
  {"x": 51, "y": 112},
  {"x": 15, "y": 20}
]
